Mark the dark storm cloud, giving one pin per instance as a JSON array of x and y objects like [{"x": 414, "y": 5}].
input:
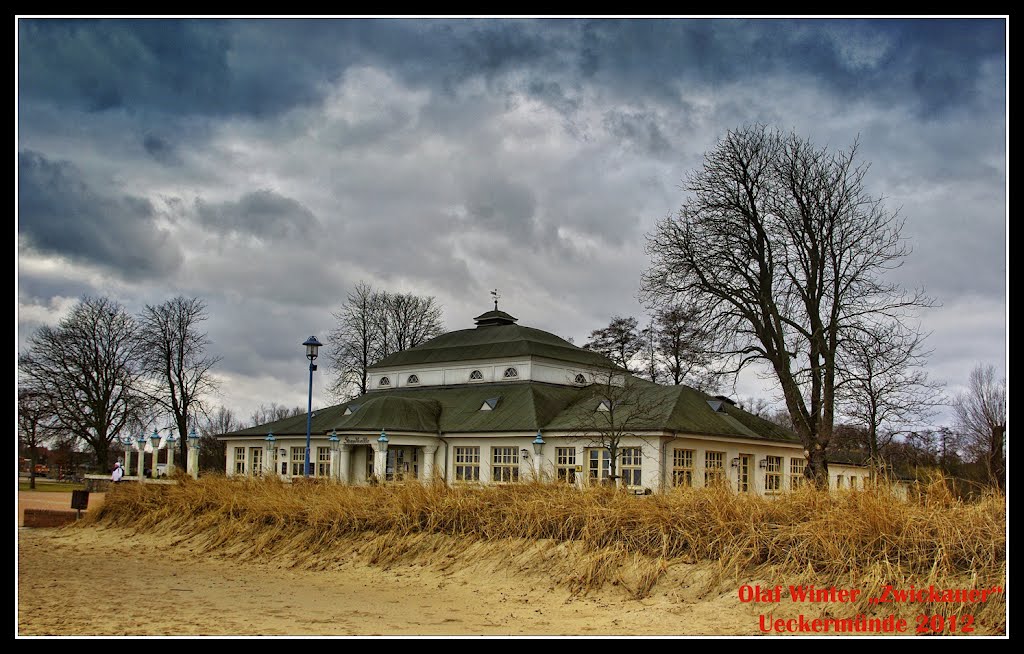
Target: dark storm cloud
[
  {"x": 161, "y": 150},
  {"x": 264, "y": 67},
  {"x": 498, "y": 205},
  {"x": 264, "y": 214},
  {"x": 640, "y": 131},
  {"x": 60, "y": 213}
]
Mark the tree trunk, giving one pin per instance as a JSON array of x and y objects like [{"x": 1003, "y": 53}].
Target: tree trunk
[
  {"x": 817, "y": 467},
  {"x": 997, "y": 471}
]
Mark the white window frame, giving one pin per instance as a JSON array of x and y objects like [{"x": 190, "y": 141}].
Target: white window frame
[
  {"x": 412, "y": 380},
  {"x": 565, "y": 464},
  {"x": 239, "y": 461},
  {"x": 298, "y": 463},
  {"x": 476, "y": 376},
  {"x": 384, "y": 381},
  {"x": 630, "y": 466},
  {"x": 322, "y": 467},
  {"x": 797, "y": 464},
  {"x": 714, "y": 466},
  {"x": 256, "y": 461},
  {"x": 466, "y": 460},
  {"x": 682, "y": 467},
  {"x": 599, "y": 466},
  {"x": 510, "y": 373},
  {"x": 773, "y": 474},
  {"x": 504, "y": 465}
]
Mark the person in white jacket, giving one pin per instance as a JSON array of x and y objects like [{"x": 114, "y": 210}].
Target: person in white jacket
[{"x": 118, "y": 472}]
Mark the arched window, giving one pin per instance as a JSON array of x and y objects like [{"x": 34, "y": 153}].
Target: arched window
[
  {"x": 384, "y": 381},
  {"x": 581, "y": 379},
  {"x": 413, "y": 379},
  {"x": 476, "y": 375},
  {"x": 511, "y": 373}
]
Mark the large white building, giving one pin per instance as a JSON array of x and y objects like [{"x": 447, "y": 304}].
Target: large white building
[{"x": 502, "y": 403}]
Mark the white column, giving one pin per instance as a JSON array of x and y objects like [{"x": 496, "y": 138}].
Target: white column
[
  {"x": 192, "y": 462},
  {"x": 380, "y": 463},
  {"x": 142, "y": 457},
  {"x": 156, "y": 453},
  {"x": 170, "y": 460},
  {"x": 538, "y": 460},
  {"x": 344, "y": 462},
  {"x": 428, "y": 462}
]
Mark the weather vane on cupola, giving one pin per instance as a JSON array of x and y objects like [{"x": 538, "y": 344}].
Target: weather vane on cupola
[{"x": 496, "y": 296}]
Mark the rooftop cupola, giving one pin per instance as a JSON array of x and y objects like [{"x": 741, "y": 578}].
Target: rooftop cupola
[{"x": 494, "y": 318}]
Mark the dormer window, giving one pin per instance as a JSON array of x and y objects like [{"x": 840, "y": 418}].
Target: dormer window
[
  {"x": 581, "y": 379},
  {"x": 476, "y": 375},
  {"x": 384, "y": 381},
  {"x": 413, "y": 379},
  {"x": 489, "y": 404},
  {"x": 605, "y": 405},
  {"x": 351, "y": 408},
  {"x": 511, "y": 373}
]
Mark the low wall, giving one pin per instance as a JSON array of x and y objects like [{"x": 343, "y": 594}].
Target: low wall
[{"x": 49, "y": 517}]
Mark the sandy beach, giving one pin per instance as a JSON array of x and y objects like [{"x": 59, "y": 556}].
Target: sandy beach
[{"x": 78, "y": 581}]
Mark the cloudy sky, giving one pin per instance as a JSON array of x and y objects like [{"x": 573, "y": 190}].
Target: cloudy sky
[{"x": 267, "y": 166}]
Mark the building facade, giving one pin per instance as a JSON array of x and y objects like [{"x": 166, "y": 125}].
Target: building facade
[{"x": 505, "y": 403}]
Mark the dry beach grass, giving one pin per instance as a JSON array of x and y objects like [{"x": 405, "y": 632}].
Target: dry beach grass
[{"x": 660, "y": 564}]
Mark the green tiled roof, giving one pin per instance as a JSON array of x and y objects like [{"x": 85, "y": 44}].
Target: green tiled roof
[
  {"x": 494, "y": 341},
  {"x": 527, "y": 407}
]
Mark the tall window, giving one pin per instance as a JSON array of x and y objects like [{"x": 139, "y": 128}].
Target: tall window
[
  {"x": 298, "y": 461},
  {"x": 598, "y": 466},
  {"x": 682, "y": 467},
  {"x": 467, "y": 464},
  {"x": 323, "y": 462},
  {"x": 630, "y": 466},
  {"x": 369, "y": 462},
  {"x": 839, "y": 481},
  {"x": 565, "y": 464},
  {"x": 256, "y": 461},
  {"x": 714, "y": 468},
  {"x": 510, "y": 373},
  {"x": 853, "y": 482},
  {"x": 796, "y": 471},
  {"x": 504, "y": 464},
  {"x": 773, "y": 474},
  {"x": 239, "y": 461}
]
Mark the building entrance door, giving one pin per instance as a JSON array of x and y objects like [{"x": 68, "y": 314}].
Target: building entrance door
[
  {"x": 743, "y": 482},
  {"x": 403, "y": 463}
]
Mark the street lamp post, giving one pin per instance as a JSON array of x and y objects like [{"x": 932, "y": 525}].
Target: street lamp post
[
  {"x": 170, "y": 453},
  {"x": 270, "y": 466},
  {"x": 538, "y": 448},
  {"x": 382, "y": 445},
  {"x": 142, "y": 455},
  {"x": 192, "y": 465},
  {"x": 126, "y": 442},
  {"x": 312, "y": 346},
  {"x": 155, "y": 440}
]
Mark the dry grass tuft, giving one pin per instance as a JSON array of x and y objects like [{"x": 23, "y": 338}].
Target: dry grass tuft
[{"x": 586, "y": 539}]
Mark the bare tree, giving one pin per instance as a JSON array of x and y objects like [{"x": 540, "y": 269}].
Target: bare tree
[
  {"x": 620, "y": 341},
  {"x": 980, "y": 415},
  {"x": 649, "y": 355},
  {"x": 212, "y": 452},
  {"x": 782, "y": 254},
  {"x": 34, "y": 427},
  {"x": 683, "y": 345},
  {"x": 271, "y": 413},
  {"x": 617, "y": 406},
  {"x": 884, "y": 387},
  {"x": 87, "y": 372},
  {"x": 356, "y": 339},
  {"x": 374, "y": 324},
  {"x": 175, "y": 358}
]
